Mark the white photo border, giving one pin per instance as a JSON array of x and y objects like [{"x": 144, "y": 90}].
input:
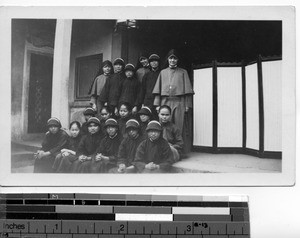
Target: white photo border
[{"x": 284, "y": 13}]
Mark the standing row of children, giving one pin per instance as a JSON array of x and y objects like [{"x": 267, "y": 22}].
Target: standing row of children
[{"x": 134, "y": 131}]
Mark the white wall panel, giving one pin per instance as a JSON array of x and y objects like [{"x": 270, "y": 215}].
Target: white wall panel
[
  {"x": 272, "y": 80},
  {"x": 252, "y": 107},
  {"x": 203, "y": 107},
  {"x": 230, "y": 108}
]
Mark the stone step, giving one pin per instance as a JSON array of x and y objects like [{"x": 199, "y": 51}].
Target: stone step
[{"x": 31, "y": 146}]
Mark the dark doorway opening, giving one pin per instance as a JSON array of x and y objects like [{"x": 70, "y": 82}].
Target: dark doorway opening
[{"x": 40, "y": 92}]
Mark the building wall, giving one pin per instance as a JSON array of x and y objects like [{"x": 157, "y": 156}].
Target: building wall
[
  {"x": 17, "y": 64},
  {"x": 88, "y": 38}
]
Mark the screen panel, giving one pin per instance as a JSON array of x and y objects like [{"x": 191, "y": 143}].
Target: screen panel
[
  {"x": 230, "y": 108},
  {"x": 252, "y": 109},
  {"x": 272, "y": 82},
  {"x": 203, "y": 107}
]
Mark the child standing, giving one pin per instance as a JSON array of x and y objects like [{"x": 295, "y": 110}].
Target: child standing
[
  {"x": 88, "y": 113},
  {"x": 154, "y": 154},
  {"x": 64, "y": 160},
  {"x": 129, "y": 88},
  {"x": 143, "y": 61},
  {"x": 171, "y": 133},
  {"x": 55, "y": 140},
  {"x": 88, "y": 146},
  {"x": 146, "y": 98},
  {"x": 110, "y": 94},
  {"x": 106, "y": 153},
  {"x": 145, "y": 117},
  {"x": 98, "y": 85},
  {"x": 128, "y": 148},
  {"x": 125, "y": 115}
]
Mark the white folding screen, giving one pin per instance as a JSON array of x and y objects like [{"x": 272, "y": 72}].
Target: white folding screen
[
  {"x": 203, "y": 107},
  {"x": 272, "y": 105},
  {"x": 230, "y": 108},
  {"x": 252, "y": 110}
]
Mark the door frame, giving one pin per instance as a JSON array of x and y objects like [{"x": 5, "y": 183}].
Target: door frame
[{"x": 29, "y": 49}]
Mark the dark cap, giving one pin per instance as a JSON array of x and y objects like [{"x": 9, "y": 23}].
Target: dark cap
[
  {"x": 154, "y": 125},
  {"x": 119, "y": 61},
  {"x": 129, "y": 67},
  {"x": 154, "y": 57},
  {"x": 93, "y": 120},
  {"x": 132, "y": 123},
  {"x": 53, "y": 121},
  {"x": 89, "y": 111},
  {"x": 111, "y": 122},
  {"x": 173, "y": 53},
  {"x": 145, "y": 111}
]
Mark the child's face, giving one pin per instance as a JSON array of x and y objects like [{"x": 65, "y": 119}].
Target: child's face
[
  {"x": 53, "y": 129},
  {"x": 106, "y": 69},
  {"x": 118, "y": 68},
  {"x": 172, "y": 61},
  {"x": 144, "y": 62},
  {"x": 153, "y": 134},
  {"x": 144, "y": 118},
  {"x": 123, "y": 111},
  {"x": 154, "y": 64},
  {"x": 87, "y": 117},
  {"x": 133, "y": 132},
  {"x": 93, "y": 128},
  {"x": 74, "y": 131},
  {"x": 111, "y": 130},
  {"x": 164, "y": 115},
  {"x": 104, "y": 115},
  {"x": 128, "y": 73}
]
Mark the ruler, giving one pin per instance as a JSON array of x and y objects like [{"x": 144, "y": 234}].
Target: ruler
[{"x": 123, "y": 216}]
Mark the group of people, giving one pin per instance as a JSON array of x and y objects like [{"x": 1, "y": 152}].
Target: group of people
[{"x": 134, "y": 124}]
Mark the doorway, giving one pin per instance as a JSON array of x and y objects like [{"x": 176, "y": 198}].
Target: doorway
[{"x": 40, "y": 92}]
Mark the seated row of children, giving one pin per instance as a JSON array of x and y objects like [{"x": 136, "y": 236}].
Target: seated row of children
[{"x": 109, "y": 145}]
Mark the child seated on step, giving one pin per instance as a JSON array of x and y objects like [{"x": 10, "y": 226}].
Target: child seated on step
[
  {"x": 64, "y": 160},
  {"x": 54, "y": 140}
]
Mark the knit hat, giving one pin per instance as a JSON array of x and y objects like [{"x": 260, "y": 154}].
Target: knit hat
[
  {"x": 93, "y": 120},
  {"x": 129, "y": 67},
  {"x": 145, "y": 111},
  {"x": 154, "y": 57},
  {"x": 111, "y": 122},
  {"x": 154, "y": 125},
  {"x": 173, "y": 53},
  {"x": 119, "y": 61},
  {"x": 106, "y": 63},
  {"x": 132, "y": 123},
  {"x": 53, "y": 121},
  {"x": 89, "y": 111},
  {"x": 142, "y": 57}
]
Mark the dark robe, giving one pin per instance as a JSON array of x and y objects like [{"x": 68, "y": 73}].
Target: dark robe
[
  {"x": 64, "y": 164},
  {"x": 171, "y": 133},
  {"x": 111, "y": 91},
  {"x": 145, "y": 94},
  {"x": 122, "y": 125},
  {"x": 128, "y": 149},
  {"x": 52, "y": 143},
  {"x": 84, "y": 129},
  {"x": 108, "y": 147},
  {"x": 129, "y": 91},
  {"x": 87, "y": 146},
  {"x": 158, "y": 152}
]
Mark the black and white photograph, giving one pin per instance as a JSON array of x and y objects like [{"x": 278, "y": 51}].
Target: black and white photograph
[{"x": 150, "y": 96}]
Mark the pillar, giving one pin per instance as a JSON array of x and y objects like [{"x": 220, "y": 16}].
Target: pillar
[{"x": 61, "y": 68}]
